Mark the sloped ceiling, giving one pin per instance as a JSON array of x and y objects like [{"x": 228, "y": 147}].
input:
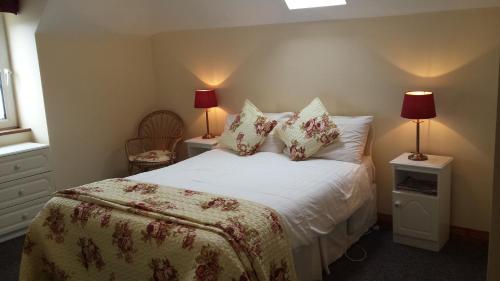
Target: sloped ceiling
[{"x": 153, "y": 16}]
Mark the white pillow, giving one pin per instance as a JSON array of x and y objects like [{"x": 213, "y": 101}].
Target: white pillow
[
  {"x": 272, "y": 143},
  {"x": 350, "y": 145}
]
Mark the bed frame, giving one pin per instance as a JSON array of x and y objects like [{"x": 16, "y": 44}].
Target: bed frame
[{"x": 312, "y": 260}]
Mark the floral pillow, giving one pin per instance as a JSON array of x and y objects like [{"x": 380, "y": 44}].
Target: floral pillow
[
  {"x": 248, "y": 130},
  {"x": 308, "y": 131}
]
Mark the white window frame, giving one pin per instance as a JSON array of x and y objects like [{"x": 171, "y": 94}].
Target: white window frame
[{"x": 7, "y": 83}]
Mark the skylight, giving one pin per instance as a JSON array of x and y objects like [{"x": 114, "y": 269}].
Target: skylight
[{"x": 304, "y": 4}]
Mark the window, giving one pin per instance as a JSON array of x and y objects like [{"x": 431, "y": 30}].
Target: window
[{"x": 7, "y": 106}]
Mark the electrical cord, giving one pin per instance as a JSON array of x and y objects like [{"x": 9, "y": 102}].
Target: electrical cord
[
  {"x": 360, "y": 259},
  {"x": 364, "y": 254}
]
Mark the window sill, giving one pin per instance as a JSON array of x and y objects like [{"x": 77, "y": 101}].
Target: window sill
[{"x": 14, "y": 131}]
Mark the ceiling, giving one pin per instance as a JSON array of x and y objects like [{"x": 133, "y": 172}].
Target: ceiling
[{"x": 154, "y": 16}]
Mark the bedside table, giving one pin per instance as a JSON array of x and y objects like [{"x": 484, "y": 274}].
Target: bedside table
[
  {"x": 421, "y": 201},
  {"x": 199, "y": 145}
]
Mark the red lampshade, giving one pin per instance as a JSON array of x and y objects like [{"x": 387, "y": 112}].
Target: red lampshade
[
  {"x": 205, "y": 99},
  {"x": 418, "y": 105}
]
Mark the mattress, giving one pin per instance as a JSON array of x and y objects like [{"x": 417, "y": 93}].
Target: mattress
[{"x": 312, "y": 196}]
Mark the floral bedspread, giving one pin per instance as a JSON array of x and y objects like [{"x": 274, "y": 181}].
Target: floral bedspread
[{"x": 119, "y": 229}]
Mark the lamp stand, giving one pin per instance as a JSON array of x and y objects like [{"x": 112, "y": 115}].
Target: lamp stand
[
  {"x": 207, "y": 135},
  {"x": 417, "y": 156}
]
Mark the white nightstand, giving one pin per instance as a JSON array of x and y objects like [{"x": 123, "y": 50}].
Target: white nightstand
[
  {"x": 421, "y": 201},
  {"x": 199, "y": 145}
]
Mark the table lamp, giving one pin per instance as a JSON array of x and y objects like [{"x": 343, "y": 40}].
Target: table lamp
[
  {"x": 205, "y": 99},
  {"x": 418, "y": 105}
]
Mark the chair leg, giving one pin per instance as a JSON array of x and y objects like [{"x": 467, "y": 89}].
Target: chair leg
[{"x": 130, "y": 169}]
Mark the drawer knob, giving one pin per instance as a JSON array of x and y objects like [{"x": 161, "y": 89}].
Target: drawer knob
[
  {"x": 24, "y": 217},
  {"x": 17, "y": 167},
  {"x": 397, "y": 204},
  {"x": 20, "y": 192}
]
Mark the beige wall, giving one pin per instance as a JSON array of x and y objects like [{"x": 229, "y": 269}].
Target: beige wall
[
  {"x": 494, "y": 252},
  {"x": 357, "y": 67},
  {"x": 96, "y": 88}
]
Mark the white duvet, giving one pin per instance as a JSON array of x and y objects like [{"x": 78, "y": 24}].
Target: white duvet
[{"x": 312, "y": 196}]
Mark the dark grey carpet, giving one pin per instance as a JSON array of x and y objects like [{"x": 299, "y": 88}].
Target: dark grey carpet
[
  {"x": 386, "y": 261},
  {"x": 10, "y": 259}
]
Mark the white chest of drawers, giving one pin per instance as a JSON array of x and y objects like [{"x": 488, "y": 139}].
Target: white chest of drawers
[{"x": 25, "y": 186}]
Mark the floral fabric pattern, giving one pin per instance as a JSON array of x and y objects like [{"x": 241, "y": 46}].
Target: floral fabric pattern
[
  {"x": 142, "y": 188},
  {"x": 28, "y": 245},
  {"x": 154, "y": 156},
  {"x": 152, "y": 204},
  {"x": 160, "y": 230},
  {"x": 245, "y": 238},
  {"x": 122, "y": 238},
  {"x": 56, "y": 225},
  {"x": 275, "y": 222},
  {"x": 243, "y": 148},
  {"x": 163, "y": 270},
  {"x": 306, "y": 132},
  {"x": 321, "y": 129},
  {"x": 208, "y": 268},
  {"x": 189, "y": 193},
  {"x": 237, "y": 122},
  {"x": 222, "y": 203},
  {"x": 154, "y": 233},
  {"x": 279, "y": 272},
  {"x": 248, "y": 130},
  {"x": 297, "y": 152},
  {"x": 84, "y": 211},
  {"x": 90, "y": 254},
  {"x": 189, "y": 236},
  {"x": 54, "y": 271},
  {"x": 290, "y": 122}
]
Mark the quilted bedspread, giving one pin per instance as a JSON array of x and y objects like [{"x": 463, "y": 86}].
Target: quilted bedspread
[{"x": 119, "y": 229}]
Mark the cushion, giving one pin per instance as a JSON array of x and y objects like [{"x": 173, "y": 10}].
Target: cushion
[
  {"x": 308, "y": 131},
  {"x": 272, "y": 143},
  {"x": 153, "y": 156},
  {"x": 351, "y": 144},
  {"x": 248, "y": 130}
]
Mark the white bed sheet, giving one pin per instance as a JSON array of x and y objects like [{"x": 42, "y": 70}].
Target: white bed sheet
[{"x": 312, "y": 196}]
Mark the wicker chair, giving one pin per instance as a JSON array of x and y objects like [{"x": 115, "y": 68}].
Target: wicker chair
[{"x": 159, "y": 133}]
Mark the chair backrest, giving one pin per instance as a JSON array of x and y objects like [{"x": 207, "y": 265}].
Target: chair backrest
[{"x": 161, "y": 124}]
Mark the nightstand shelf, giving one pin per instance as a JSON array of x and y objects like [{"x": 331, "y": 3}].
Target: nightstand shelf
[
  {"x": 199, "y": 145},
  {"x": 421, "y": 201}
]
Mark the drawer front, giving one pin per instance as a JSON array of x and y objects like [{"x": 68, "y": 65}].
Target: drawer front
[
  {"x": 24, "y": 164},
  {"x": 20, "y": 217},
  {"x": 16, "y": 192},
  {"x": 415, "y": 215}
]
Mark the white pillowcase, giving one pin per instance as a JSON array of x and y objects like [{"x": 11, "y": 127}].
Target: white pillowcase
[
  {"x": 350, "y": 145},
  {"x": 272, "y": 143}
]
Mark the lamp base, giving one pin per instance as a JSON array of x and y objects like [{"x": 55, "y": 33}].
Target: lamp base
[
  {"x": 417, "y": 157},
  {"x": 208, "y": 136}
]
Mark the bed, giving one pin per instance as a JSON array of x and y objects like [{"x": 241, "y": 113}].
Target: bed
[
  {"x": 326, "y": 205},
  {"x": 305, "y": 213}
]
